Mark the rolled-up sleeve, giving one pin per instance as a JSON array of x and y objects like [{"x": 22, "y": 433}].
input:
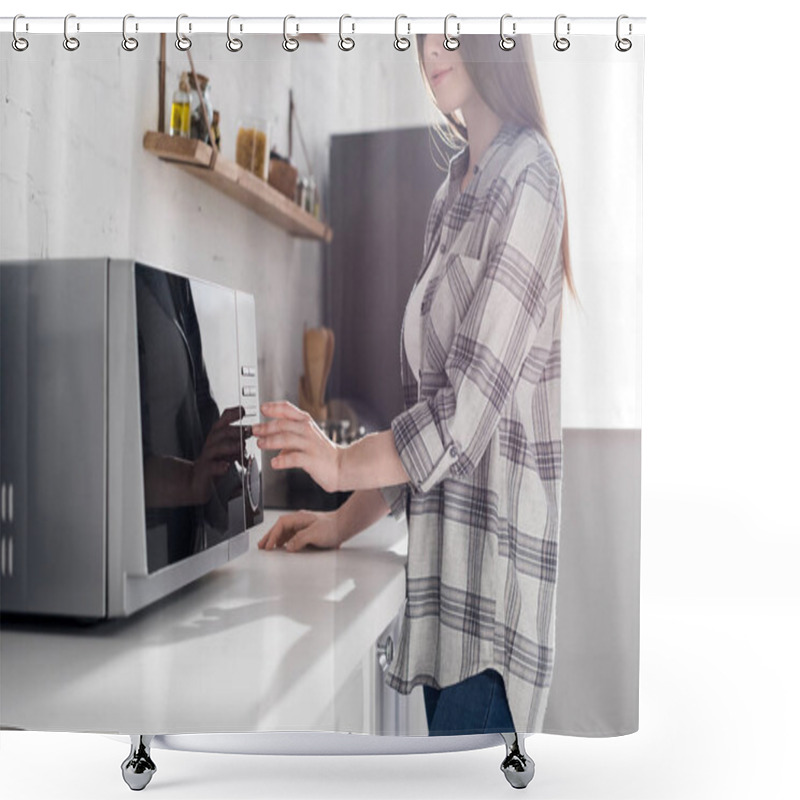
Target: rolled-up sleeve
[
  {"x": 395, "y": 497},
  {"x": 447, "y": 433}
]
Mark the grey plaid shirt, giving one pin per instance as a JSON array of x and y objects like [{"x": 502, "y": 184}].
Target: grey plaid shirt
[{"x": 480, "y": 436}]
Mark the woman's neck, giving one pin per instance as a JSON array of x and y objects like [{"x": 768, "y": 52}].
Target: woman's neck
[{"x": 482, "y": 126}]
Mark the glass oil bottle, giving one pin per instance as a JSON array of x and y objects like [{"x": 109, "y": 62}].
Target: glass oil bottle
[{"x": 181, "y": 116}]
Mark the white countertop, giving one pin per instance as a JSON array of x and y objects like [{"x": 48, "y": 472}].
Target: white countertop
[{"x": 263, "y": 643}]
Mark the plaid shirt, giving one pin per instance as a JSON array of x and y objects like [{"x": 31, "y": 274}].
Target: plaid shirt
[{"x": 480, "y": 436}]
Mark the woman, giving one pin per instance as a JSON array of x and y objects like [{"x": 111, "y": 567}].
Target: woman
[{"x": 474, "y": 461}]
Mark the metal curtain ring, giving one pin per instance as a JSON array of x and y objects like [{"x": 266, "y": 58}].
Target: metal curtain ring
[
  {"x": 129, "y": 43},
  {"x": 345, "y": 42},
  {"x": 623, "y": 45},
  {"x": 506, "y": 42},
  {"x": 18, "y": 42},
  {"x": 290, "y": 44},
  {"x": 561, "y": 43},
  {"x": 451, "y": 42},
  {"x": 233, "y": 44},
  {"x": 401, "y": 42},
  {"x": 182, "y": 42},
  {"x": 70, "y": 42}
]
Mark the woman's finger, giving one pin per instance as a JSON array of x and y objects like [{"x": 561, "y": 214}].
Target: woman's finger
[
  {"x": 283, "y": 408},
  {"x": 282, "y": 530},
  {"x": 288, "y": 460},
  {"x": 280, "y": 426},
  {"x": 299, "y": 541},
  {"x": 283, "y": 441},
  {"x": 273, "y": 535}
]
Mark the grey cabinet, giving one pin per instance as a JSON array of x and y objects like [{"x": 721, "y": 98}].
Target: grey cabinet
[{"x": 381, "y": 185}]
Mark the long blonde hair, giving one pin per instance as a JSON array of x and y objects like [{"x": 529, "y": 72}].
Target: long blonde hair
[{"x": 506, "y": 81}]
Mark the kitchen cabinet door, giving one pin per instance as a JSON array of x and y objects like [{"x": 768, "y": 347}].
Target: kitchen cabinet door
[{"x": 381, "y": 185}]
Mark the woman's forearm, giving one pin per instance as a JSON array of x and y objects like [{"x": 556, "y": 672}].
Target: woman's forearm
[
  {"x": 363, "y": 508},
  {"x": 371, "y": 462}
]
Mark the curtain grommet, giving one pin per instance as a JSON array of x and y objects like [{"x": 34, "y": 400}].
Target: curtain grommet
[
  {"x": 19, "y": 43},
  {"x": 451, "y": 42},
  {"x": 71, "y": 43},
  {"x": 401, "y": 42},
  {"x": 290, "y": 43},
  {"x": 129, "y": 43},
  {"x": 233, "y": 44},
  {"x": 506, "y": 42},
  {"x": 346, "y": 43},
  {"x": 561, "y": 43},
  {"x": 182, "y": 42}
]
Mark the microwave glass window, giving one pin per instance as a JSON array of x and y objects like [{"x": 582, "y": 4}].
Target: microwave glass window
[{"x": 192, "y": 436}]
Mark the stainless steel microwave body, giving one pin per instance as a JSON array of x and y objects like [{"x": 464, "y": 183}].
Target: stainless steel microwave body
[{"x": 127, "y": 467}]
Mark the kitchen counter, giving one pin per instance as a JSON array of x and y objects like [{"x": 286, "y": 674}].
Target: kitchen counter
[{"x": 263, "y": 643}]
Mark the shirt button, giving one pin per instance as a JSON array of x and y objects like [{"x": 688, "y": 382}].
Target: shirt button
[
  {"x": 454, "y": 451},
  {"x": 442, "y": 249}
]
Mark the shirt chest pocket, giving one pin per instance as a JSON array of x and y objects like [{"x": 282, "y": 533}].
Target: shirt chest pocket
[{"x": 446, "y": 302}]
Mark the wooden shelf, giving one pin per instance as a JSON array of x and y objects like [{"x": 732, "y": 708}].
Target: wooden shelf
[{"x": 196, "y": 157}]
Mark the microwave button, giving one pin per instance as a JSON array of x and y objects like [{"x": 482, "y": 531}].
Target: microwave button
[{"x": 249, "y": 391}]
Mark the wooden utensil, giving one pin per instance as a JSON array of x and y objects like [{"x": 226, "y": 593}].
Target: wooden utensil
[
  {"x": 304, "y": 391},
  {"x": 305, "y": 351},
  {"x": 305, "y": 402},
  {"x": 317, "y": 346},
  {"x": 328, "y": 362}
]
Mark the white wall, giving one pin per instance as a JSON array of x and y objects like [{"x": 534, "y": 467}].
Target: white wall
[{"x": 76, "y": 181}]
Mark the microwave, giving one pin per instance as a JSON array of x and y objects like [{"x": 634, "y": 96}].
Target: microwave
[{"x": 128, "y": 468}]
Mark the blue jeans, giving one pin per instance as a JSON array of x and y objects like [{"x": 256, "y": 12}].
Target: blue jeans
[{"x": 475, "y": 705}]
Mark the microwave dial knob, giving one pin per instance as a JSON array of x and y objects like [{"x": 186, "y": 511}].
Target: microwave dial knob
[{"x": 253, "y": 482}]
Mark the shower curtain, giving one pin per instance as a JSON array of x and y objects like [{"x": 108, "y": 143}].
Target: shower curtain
[{"x": 417, "y": 204}]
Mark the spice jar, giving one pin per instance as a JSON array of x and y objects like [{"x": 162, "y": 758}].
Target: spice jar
[{"x": 252, "y": 145}]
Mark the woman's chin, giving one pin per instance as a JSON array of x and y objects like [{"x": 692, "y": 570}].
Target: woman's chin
[{"x": 447, "y": 108}]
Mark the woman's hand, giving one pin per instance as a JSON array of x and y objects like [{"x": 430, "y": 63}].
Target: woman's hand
[
  {"x": 301, "y": 528},
  {"x": 301, "y": 443}
]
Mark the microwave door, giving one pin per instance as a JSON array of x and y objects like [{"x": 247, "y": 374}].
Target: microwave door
[{"x": 187, "y": 380}]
